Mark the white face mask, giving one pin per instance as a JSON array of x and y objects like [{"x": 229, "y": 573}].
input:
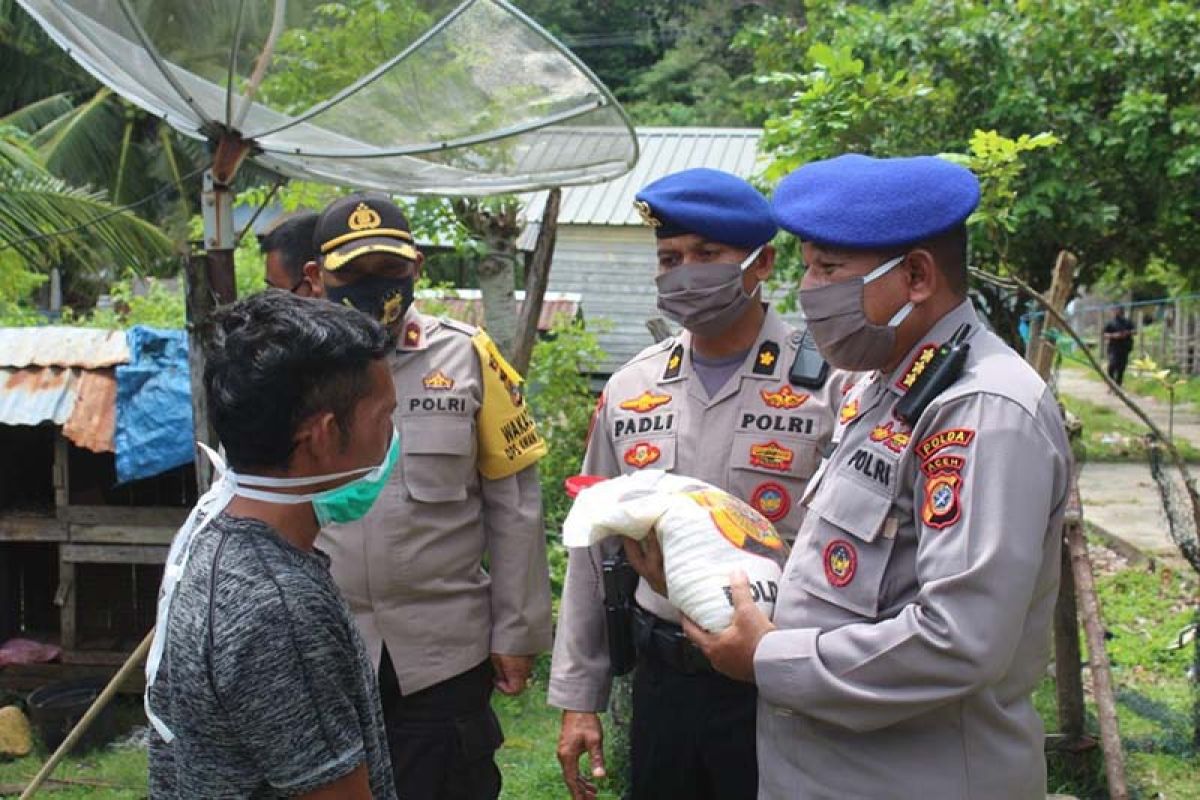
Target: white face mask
[{"x": 343, "y": 503}]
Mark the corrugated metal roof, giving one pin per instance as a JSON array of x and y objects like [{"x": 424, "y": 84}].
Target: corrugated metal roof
[
  {"x": 467, "y": 305},
  {"x": 59, "y": 346},
  {"x": 93, "y": 420},
  {"x": 663, "y": 151},
  {"x": 36, "y": 395}
]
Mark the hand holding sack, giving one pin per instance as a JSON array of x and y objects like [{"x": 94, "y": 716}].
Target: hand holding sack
[{"x": 706, "y": 533}]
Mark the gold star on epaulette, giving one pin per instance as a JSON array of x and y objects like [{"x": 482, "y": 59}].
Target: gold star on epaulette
[
  {"x": 766, "y": 358},
  {"x": 674, "y": 362}
]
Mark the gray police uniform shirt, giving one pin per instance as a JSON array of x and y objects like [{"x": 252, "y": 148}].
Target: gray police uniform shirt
[
  {"x": 412, "y": 568},
  {"x": 915, "y": 611},
  {"x": 264, "y": 680},
  {"x": 759, "y": 437}
]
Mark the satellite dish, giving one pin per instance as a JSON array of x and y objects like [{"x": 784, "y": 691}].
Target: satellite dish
[{"x": 465, "y": 99}]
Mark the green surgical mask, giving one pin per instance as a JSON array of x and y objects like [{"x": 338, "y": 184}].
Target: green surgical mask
[{"x": 346, "y": 503}]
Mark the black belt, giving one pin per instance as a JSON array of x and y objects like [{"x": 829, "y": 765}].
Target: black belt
[{"x": 666, "y": 644}]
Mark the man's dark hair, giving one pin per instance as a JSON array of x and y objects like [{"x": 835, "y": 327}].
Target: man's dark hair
[
  {"x": 292, "y": 236},
  {"x": 950, "y": 250},
  {"x": 273, "y": 360}
]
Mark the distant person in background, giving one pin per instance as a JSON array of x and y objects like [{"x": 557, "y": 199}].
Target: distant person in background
[
  {"x": 288, "y": 245},
  {"x": 1118, "y": 333}
]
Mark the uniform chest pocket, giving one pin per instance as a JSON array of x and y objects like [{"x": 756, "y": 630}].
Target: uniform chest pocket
[
  {"x": 439, "y": 458},
  {"x": 770, "y": 473},
  {"x": 850, "y": 535}
]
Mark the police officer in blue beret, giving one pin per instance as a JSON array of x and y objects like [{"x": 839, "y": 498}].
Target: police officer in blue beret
[
  {"x": 913, "y": 619},
  {"x": 737, "y": 399}
]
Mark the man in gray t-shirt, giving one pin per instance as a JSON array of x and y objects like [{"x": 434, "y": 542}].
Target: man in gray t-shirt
[
  {"x": 278, "y": 696},
  {"x": 258, "y": 685}
]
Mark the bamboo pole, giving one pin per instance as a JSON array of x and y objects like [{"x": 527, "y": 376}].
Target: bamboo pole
[{"x": 93, "y": 711}]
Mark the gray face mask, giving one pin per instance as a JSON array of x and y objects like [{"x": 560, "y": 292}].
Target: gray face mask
[
  {"x": 838, "y": 321},
  {"x": 705, "y": 299}
]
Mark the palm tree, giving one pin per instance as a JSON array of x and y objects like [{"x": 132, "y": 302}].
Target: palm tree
[{"x": 45, "y": 222}]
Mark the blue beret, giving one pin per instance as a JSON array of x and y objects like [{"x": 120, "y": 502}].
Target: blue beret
[
  {"x": 710, "y": 203},
  {"x": 864, "y": 203}
]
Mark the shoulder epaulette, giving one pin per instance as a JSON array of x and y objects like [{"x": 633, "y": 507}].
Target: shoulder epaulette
[{"x": 458, "y": 325}]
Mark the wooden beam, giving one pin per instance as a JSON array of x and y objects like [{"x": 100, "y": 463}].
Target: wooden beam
[
  {"x": 112, "y": 554},
  {"x": 1060, "y": 291},
  {"x": 537, "y": 277},
  {"x": 122, "y": 534},
  {"x": 26, "y": 677},
  {"x": 128, "y": 516},
  {"x": 31, "y": 528}
]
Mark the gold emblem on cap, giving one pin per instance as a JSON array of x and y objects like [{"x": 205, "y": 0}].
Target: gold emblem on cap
[
  {"x": 648, "y": 218},
  {"x": 363, "y": 218}
]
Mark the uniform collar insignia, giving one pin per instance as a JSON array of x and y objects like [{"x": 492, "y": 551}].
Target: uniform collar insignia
[
  {"x": 766, "y": 358},
  {"x": 674, "y": 363}
]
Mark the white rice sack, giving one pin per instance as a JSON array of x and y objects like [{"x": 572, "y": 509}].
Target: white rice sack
[{"x": 706, "y": 533}]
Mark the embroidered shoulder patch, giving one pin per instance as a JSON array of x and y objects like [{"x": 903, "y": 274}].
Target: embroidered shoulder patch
[
  {"x": 642, "y": 454},
  {"x": 943, "y": 463},
  {"x": 645, "y": 402},
  {"x": 841, "y": 562},
  {"x": 941, "y": 508},
  {"x": 786, "y": 398},
  {"x": 952, "y": 437},
  {"x": 412, "y": 334}
]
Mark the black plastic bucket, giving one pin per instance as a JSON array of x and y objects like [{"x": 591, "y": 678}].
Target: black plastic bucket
[{"x": 54, "y": 710}]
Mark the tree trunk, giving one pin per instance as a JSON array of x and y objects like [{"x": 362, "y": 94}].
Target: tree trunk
[{"x": 496, "y": 280}]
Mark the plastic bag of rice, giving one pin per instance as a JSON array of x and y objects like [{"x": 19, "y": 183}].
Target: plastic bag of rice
[{"x": 705, "y": 532}]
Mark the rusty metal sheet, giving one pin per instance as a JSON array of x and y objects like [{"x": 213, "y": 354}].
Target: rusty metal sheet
[
  {"x": 37, "y": 395},
  {"x": 60, "y": 346},
  {"x": 93, "y": 420}
]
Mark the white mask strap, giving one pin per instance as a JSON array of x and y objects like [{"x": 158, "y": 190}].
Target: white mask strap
[
  {"x": 901, "y": 315},
  {"x": 745, "y": 265},
  {"x": 883, "y": 269}
]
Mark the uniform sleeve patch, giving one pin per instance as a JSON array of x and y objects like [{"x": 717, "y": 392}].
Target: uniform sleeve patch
[
  {"x": 942, "y": 506},
  {"x": 508, "y": 437},
  {"x": 642, "y": 454},
  {"x": 841, "y": 562},
  {"x": 786, "y": 398},
  {"x": 943, "y": 463},
  {"x": 952, "y": 437},
  {"x": 645, "y": 402},
  {"x": 771, "y": 500}
]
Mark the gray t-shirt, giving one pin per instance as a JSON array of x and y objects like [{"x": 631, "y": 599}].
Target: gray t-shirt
[
  {"x": 714, "y": 373},
  {"x": 268, "y": 689}
]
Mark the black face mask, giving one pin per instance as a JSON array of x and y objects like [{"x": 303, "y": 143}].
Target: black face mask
[{"x": 381, "y": 298}]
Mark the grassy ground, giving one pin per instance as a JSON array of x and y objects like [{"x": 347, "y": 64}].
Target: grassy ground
[
  {"x": 1109, "y": 436},
  {"x": 1145, "y": 611}
]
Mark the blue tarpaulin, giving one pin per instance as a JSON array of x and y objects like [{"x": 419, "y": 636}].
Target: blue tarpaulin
[{"x": 154, "y": 404}]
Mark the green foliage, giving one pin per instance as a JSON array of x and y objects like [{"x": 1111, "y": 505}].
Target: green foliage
[
  {"x": 1115, "y": 82},
  {"x": 562, "y": 403},
  {"x": 344, "y": 41}
]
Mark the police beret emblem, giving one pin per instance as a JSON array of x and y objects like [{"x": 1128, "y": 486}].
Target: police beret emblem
[
  {"x": 648, "y": 218},
  {"x": 363, "y": 217}
]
